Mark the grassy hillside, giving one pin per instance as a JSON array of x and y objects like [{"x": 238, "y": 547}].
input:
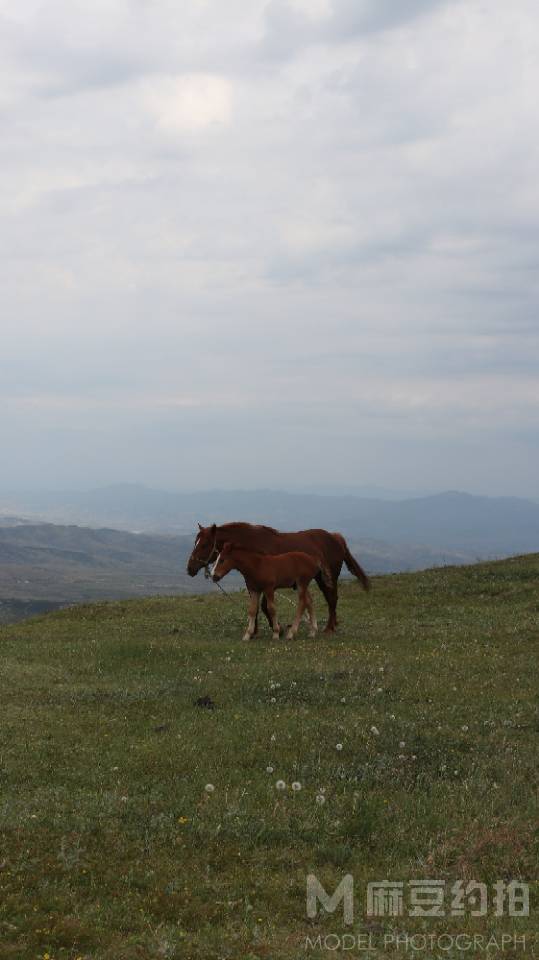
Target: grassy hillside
[{"x": 112, "y": 847}]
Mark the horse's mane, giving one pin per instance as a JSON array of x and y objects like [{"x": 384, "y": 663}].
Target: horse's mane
[{"x": 240, "y": 526}]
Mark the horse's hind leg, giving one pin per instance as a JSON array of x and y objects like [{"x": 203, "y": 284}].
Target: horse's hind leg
[
  {"x": 331, "y": 597},
  {"x": 253, "y": 613},
  {"x": 313, "y": 628}
]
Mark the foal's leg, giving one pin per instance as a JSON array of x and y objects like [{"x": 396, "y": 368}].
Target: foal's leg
[
  {"x": 272, "y": 613},
  {"x": 293, "y": 629},
  {"x": 253, "y": 611},
  {"x": 311, "y": 614}
]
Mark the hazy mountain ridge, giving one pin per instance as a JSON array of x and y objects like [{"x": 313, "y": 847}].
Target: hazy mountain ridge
[{"x": 451, "y": 521}]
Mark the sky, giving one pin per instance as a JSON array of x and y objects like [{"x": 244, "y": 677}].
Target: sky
[{"x": 269, "y": 244}]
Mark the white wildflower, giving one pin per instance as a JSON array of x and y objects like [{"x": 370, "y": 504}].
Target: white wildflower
[
  {"x": 209, "y": 788},
  {"x": 280, "y": 785},
  {"x": 296, "y": 786}
]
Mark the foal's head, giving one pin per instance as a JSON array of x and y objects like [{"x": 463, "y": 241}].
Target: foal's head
[
  {"x": 204, "y": 550},
  {"x": 224, "y": 564}
]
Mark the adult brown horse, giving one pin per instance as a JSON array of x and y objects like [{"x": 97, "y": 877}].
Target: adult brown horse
[{"x": 331, "y": 548}]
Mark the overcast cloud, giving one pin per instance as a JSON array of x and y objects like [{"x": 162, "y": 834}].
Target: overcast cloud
[{"x": 253, "y": 244}]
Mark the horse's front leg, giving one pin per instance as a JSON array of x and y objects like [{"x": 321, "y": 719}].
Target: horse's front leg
[
  {"x": 272, "y": 613},
  {"x": 267, "y": 614},
  {"x": 302, "y": 604},
  {"x": 265, "y": 610},
  {"x": 253, "y": 613}
]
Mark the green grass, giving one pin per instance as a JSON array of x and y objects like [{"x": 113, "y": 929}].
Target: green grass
[{"x": 112, "y": 848}]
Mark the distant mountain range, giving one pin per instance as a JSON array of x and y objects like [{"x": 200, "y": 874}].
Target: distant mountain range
[{"x": 475, "y": 525}]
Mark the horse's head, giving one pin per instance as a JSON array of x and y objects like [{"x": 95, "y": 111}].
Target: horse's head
[
  {"x": 204, "y": 550},
  {"x": 224, "y": 563}
]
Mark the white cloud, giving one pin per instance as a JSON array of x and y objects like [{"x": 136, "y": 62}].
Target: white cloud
[{"x": 189, "y": 103}]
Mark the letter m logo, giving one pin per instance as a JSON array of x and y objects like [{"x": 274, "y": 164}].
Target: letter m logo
[{"x": 317, "y": 895}]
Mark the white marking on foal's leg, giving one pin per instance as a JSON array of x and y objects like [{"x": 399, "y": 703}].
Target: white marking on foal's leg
[
  {"x": 293, "y": 629},
  {"x": 250, "y": 629},
  {"x": 253, "y": 611}
]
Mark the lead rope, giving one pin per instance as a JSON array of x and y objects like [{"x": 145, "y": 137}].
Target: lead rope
[{"x": 207, "y": 573}]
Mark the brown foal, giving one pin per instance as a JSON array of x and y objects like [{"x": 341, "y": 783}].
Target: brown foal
[{"x": 264, "y": 574}]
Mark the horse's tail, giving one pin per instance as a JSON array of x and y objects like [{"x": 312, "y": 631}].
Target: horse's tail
[{"x": 352, "y": 564}]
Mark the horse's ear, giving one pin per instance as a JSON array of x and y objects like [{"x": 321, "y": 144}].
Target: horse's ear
[
  {"x": 213, "y": 527},
  {"x": 200, "y": 527}
]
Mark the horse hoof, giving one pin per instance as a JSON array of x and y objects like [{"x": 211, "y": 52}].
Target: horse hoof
[
  {"x": 290, "y": 635},
  {"x": 246, "y": 636},
  {"x": 276, "y": 636}
]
